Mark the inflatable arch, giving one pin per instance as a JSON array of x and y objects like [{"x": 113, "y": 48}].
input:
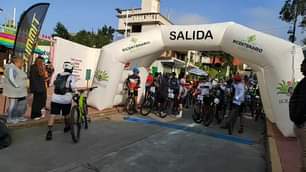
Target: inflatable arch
[{"x": 276, "y": 61}]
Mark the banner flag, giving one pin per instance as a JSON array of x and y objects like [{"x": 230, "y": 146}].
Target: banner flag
[{"x": 28, "y": 30}]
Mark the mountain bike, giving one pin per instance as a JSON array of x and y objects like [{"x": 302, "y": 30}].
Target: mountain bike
[
  {"x": 131, "y": 102},
  {"x": 79, "y": 112},
  {"x": 169, "y": 105},
  {"x": 149, "y": 102}
]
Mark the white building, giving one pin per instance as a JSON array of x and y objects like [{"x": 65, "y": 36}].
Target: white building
[{"x": 136, "y": 20}]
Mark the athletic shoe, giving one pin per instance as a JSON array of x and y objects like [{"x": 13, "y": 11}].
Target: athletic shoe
[
  {"x": 49, "y": 135},
  {"x": 180, "y": 115},
  {"x": 12, "y": 121},
  {"x": 37, "y": 118},
  {"x": 22, "y": 119},
  {"x": 66, "y": 129}
]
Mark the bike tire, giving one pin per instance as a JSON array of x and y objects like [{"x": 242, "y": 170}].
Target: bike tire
[
  {"x": 130, "y": 106},
  {"x": 85, "y": 117},
  {"x": 75, "y": 124},
  {"x": 196, "y": 116},
  {"x": 208, "y": 116},
  {"x": 146, "y": 107}
]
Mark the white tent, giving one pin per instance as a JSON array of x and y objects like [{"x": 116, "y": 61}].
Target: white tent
[
  {"x": 275, "y": 60},
  {"x": 198, "y": 72}
]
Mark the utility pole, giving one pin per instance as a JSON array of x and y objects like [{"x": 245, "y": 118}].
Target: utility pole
[
  {"x": 14, "y": 17},
  {"x": 126, "y": 23}
]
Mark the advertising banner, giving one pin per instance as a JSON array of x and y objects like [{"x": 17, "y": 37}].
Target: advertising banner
[
  {"x": 28, "y": 31},
  {"x": 83, "y": 58}
]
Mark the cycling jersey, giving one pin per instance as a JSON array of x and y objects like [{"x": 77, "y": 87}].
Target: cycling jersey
[
  {"x": 204, "y": 88},
  {"x": 133, "y": 82}
]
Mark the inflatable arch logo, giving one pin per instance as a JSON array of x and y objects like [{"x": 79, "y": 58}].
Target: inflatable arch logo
[
  {"x": 135, "y": 44},
  {"x": 286, "y": 88},
  {"x": 249, "y": 43},
  {"x": 101, "y": 75}
]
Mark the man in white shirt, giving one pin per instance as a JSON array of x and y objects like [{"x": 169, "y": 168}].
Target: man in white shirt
[
  {"x": 64, "y": 85},
  {"x": 238, "y": 100},
  {"x": 204, "y": 88}
]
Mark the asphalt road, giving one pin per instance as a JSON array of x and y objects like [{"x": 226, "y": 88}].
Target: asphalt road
[{"x": 123, "y": 146}]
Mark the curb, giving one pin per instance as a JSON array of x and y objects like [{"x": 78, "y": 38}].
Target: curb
[
  {"x": 106, "y": 114},
  {"x": 275, "y": 161}
]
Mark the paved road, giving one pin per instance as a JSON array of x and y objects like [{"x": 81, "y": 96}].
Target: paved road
[{"x": 122, "y": 146}]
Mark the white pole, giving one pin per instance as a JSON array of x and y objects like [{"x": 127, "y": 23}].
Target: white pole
[
  {"x": 126, "y": 24},
  {"x": 14, "y": 17}
]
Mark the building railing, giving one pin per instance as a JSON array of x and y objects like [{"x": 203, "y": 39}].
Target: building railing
[{"x": 146, "y": 17}]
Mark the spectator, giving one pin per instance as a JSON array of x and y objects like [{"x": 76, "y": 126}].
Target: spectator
[
  {"x": 38, "y": 76},
  {"x": 237, "y": 104},
  {"x": 50, "y": 71},
  {"x": 297, "y": 110},
  {"x": 64, "y": 85},
  {"x": 15, "y": 88}
]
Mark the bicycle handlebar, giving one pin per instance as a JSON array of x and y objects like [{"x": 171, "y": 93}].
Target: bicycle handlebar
[{"x": 86, "y": 89}]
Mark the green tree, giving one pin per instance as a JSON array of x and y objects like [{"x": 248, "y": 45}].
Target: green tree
[
  {"x": 294, "y": 11},
  {"x": 85, "y": 38},
  {"x": 61, "y": 31},
  {"x": 104, "y": 36}
]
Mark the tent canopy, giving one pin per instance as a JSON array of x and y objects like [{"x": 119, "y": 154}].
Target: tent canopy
[
  {"x": 8, "y": 40},
  {"x": 198, "y": 72}
]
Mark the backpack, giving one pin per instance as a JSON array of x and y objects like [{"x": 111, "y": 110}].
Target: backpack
[
  {"x": 60, "y": 84},
  {"x": 5, "y": 137}
]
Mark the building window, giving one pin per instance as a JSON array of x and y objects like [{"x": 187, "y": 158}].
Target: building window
[{"x": 136, "y": 28}]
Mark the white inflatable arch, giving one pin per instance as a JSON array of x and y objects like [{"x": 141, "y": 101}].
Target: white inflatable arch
[{"x": 275, "y": 60}]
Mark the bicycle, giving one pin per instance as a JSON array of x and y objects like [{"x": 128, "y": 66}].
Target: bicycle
[
  {"x": 149, "y": 102},
  {"x": 131, "y": 102},
  {"x": 203, "y": 110},
  {"x": 168, "y": 107},
  {"x": 79, "y": 112}
]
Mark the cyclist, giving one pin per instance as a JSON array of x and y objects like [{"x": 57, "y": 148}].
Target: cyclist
[
  {"x": 149, "y": 83},
  {"x": 204, "y": 88},
  {"x": 162, "y": 83},
  {"x": 175, "y": 87},
  {"x": 133, "y": 83},
  {"x": 64, "y": 85},
  {"x": 181, "y": 97}
]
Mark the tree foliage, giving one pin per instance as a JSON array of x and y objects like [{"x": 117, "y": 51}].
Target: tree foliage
[
  {"x": 103, "y": 36},
  {"x": 294, "y": 11},
  {"x": 61, "y": 31}
]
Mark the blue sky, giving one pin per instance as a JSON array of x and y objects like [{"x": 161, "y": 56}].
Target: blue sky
[{"x": 91, "y": 14}]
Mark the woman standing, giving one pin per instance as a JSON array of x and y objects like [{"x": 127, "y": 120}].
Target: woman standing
[{"x": 38, "y": 76}]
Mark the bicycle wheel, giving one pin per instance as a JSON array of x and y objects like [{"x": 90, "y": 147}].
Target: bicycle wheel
[
  {"x": 208, "y": 115},
  {"x": 147, "y": 107},
  {"x": 130, "y": 106},
  {"x": 196, "y": 116},
  {"x": 75, "y": 124},
  {"x": 85, "y": 117}
]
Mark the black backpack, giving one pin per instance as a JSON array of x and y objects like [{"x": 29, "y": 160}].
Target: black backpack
[
  {"x": 5, "y": 137},
  {"x": 60, "y": 84}
]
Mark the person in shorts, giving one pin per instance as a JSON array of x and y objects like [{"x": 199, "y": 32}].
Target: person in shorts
[{"x": 62, "y": 99}]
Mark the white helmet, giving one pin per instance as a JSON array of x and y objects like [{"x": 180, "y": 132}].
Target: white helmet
[
  {"x": 68, "y": 66},
  {"x": 182, "y": 81}
]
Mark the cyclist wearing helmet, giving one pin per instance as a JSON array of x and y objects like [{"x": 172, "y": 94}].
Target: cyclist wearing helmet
[
  {"x": 64, "y": 85},
  {"x": 204, "y": 87},
  {"x": 133, "y": 82}
]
